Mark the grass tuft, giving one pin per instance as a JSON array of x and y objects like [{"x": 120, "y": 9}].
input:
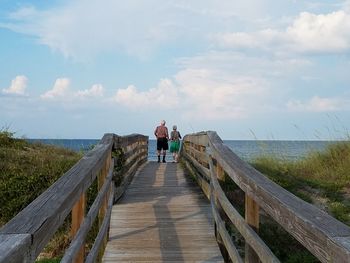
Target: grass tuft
[
  {"x": 27, "y": 170},
  {"x": 321, "y": 178}
]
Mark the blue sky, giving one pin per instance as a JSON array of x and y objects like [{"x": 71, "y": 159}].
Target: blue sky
[{"x": 248, "y": 70}]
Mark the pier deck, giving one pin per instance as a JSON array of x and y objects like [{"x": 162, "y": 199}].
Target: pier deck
[{"x": 163, "y": 216}]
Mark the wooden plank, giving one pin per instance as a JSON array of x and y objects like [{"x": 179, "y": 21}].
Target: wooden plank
[
  {"x": 316, "y": 230},
  {"x": 163, "y": 216},
  {"x": 103, "y": 232},
  {"x": 200, "y": 180},
  {"x": 199, "y": 138},
  {"x": 250, "y": 236},
  {"x": 78, "y": 214},
  {"x": 127, "y": 178},
  {"x": 80, "y": 237},
  {"x": 222, "y": 232},
  {"x": 203, "y": 170},
  {"x": 45, "y": 214},
  {"x": 200, "y": 155},
  {"x": 252, "y": 219},
  {"x": 15, "y": 248}
]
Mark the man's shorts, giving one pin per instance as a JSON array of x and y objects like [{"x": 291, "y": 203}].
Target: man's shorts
[{"x": 162, "y": 143}]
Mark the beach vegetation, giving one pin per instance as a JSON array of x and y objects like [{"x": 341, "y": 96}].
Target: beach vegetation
[
  {"x": 321, "y": 178},
  {"x": 27, "y": 170}
]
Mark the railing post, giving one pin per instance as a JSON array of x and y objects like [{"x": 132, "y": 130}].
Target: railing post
[
  {"x": 202, "y": 149},
  {"x": 252, "y": 218},
  {"x": 102, "y": 212},
  {"x": 78, "y": 214},
  {"x": 220, "y": 173}
]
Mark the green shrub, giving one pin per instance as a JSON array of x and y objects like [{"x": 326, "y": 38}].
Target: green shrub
[
  {"x": 320, "y": 175},
  {"x": 27, "y": 170}
]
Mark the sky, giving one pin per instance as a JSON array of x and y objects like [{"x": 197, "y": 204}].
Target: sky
[{"x": 254, "y": 69}]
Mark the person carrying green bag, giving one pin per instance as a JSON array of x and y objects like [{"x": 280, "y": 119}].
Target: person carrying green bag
[{"x": 175, "y": 143}]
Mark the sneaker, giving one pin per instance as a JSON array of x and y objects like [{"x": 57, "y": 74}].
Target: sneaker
[{"x": 164, "y": 161}]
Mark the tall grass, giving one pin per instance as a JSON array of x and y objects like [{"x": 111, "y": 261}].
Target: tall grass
[
  {"x": 321, "y": 178},
  {"x": 27, "y": 170}
]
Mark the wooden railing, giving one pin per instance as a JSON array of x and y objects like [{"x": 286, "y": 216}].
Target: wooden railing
[
  {"x": 210, "y": 161},
  {"x": 24, "y": 237}
]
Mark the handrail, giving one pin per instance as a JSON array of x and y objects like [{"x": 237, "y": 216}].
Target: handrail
[
  {"x": 23, "y": 238},
  {"x": 324, "y": 236}
]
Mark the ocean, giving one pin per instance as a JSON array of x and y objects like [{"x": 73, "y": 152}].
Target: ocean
[{"x": 245, "y": 149}]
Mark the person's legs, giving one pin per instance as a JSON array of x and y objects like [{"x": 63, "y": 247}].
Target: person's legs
[
  {"x": 165, "y": 148},
  {"x": 164, "y": 153},
  {"x": 159, "y": 148},
  {"x": 158, "y": 153}
]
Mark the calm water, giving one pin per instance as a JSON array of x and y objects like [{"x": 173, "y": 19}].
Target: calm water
[{"x": 247, "y": 150}]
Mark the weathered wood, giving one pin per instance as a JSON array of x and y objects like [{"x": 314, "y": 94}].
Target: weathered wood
[
  {"x": 203, "y": 183},
  {"x": 220, "y": 173},
  {"x": 202, "y": 170},
  {"x": 103, "y": 232},
  {"x": 252, "y": 218},
  {"x": 102, "y": 212},
  {"x": 43, "y": 216},
  {"x": 250, "y": 236},
  {"x": 140, "y": 149},
  {"x": 162, "y": 217},
  {"x": 124, "y": 141},
  {"x": 81, "y": 235},
  {"x": 127, "y": 178},
  {"x": 315, "y": 229},
  {"x": 200, "y": 155},
  {"x": 134, "y": 157},
  {"x": 78, "y": 214},
  {"x": 15, "y": 248},
  {"x": 199, "y": 138},
  {"x": 222, "y": 232}
]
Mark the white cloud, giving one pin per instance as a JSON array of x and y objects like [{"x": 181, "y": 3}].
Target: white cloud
[
  {"x": 212, "y": 94},
  {"x": 18, "y": 86},
  {"x": 60, "y": 90},
  {"x": 321, "y": 33},
  {"x": 318, "y": 104},
  {"x": 200, "y": 93},
  {"x": 324, "y": 33},
  {"x": 95, "y": 91},
  {"x": 346, "y": 6},
  {"x": 165, "y": 95},
  {"x": 82, "y": 29}
]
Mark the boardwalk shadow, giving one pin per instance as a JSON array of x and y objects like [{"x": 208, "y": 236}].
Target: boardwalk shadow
[
  {"x": 168, "y": 239},
  {"x": 167, "y": 192}
]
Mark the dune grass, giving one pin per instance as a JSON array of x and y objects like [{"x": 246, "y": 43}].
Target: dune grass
[
  {"x": 27, "y": 170},
  {"x": 321, "y": 178}
]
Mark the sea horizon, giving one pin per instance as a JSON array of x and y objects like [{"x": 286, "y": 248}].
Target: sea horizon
[{"x": 245, "y": 149}]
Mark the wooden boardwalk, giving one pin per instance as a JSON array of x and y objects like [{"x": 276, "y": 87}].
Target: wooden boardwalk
[{"x": 162, "y": 217}]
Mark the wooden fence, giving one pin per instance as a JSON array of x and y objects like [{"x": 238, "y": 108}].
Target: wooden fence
[
  {"x": 210, "y": 160},
  {"x": 24, "y": 237}
]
